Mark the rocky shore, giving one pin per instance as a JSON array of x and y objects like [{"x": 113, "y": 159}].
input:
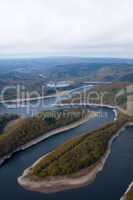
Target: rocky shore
[{"x": 124, "y": 197}]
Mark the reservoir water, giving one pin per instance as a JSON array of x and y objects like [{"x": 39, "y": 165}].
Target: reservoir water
[
  {"x": 30, "y": 108},
  {"x": 110, "y": 184}
]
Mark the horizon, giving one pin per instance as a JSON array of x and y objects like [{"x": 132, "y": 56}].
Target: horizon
[{"x": 63, "y": 56}]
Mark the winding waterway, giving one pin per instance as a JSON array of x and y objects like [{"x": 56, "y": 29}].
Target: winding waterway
[
  {"x": 110, "y": 184},
  {"x": 30, "y": 108}
]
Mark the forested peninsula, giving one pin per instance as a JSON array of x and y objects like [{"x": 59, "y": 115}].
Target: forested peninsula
[
  {"x": 20, "y": 133},
  {"x": 74, "y": 163}
]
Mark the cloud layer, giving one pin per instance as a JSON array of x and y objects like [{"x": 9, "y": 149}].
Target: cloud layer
[{"x": 72, "y": 27}]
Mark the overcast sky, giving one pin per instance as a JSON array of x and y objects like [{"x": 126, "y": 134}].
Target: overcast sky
[{"x": 66, "y": 27}]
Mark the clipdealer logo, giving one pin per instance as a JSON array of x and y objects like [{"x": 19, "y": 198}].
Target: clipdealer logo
[{"x": 127, "y": 95}]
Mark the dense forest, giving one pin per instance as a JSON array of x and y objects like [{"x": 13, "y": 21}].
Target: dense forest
[
  {"x": 78, "y": 153},
  {"x": 23, "y": 130},
  {"x": 5, "y": 119}
]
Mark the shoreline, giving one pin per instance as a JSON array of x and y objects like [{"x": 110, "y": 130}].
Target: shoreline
[
  {"x": 128, "y": 189},
  {"x": 76, "y": 180},
  {"x": 47, "y": 135}
]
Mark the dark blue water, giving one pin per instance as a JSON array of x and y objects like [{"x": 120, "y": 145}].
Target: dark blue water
[{"x": 109, "y": 184}]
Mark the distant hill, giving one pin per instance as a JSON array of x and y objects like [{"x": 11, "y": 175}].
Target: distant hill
[{"x": 37, "y": 72}]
